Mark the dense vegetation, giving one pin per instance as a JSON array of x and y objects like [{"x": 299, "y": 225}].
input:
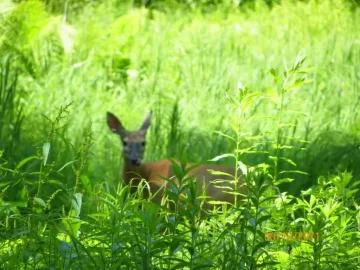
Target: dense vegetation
[{"x": 267, "y": 86}]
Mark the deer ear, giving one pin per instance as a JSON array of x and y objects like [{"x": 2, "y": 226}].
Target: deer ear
[
  {"x": 114, "y": 123},
  {"x": 147, "y": 122}
]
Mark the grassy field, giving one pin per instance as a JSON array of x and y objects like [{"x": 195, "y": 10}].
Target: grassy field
[{"x": 226, "y": 71}]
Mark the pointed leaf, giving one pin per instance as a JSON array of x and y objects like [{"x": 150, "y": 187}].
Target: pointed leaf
[
  {"x": 24, "y": 161},
  {"x": 40, "y": 201},
  {"x": 46, "y": 151},
  {"x": 222, "y": 156}
]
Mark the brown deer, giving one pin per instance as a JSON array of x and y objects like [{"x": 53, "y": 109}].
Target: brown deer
[{"x": 134, "y": 170}]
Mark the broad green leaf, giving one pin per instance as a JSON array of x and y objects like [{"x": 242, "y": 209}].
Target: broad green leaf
[
  {"x": 243, "y": 168},
  {"x": 77, "y": 203},
  {"x": 86, "y": 183},
  {"x": 312, "y": 200},
  {"x": 40, "y": 202},
  {"x": 46, "y": 151}
]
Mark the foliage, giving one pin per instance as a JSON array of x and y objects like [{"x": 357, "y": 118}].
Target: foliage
[{"x": 293, "y": 132}]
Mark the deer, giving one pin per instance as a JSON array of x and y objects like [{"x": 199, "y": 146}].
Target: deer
[{"x": 135, "y": 170}]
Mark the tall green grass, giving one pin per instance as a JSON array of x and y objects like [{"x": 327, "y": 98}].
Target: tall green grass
[{"x": 129, "y": 61}]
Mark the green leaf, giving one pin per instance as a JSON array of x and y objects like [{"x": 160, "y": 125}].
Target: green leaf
[
  {"x": 227, "y": 96},
  {"x": 46, "y": 151},
  {"x": 264, "y": 218},
  {"x": 259, "y": 245},
  {"x": 40, "y": 202},
  {"x": 312, "y": 200},
  {"x": 283, "y": 180},
  {"x": 86, "y": 183},
  {"x": 67, "y": 164},
  {"x": 251, "y": 229},
  {"x": 293, "y": 86},
  {"x": 215, "y": 202},
  {"x": 213, "y": 172},
  {"x": 273, "y": 72},
  {"x": 288, "y": 161},
  {"x": 24, "y": 161},
  {"x": 24, "y": 195},
  {"x": 177, "y": 169},
  {"x": 306, "y": 70},
  {"x": 225, "y": 135},
  {"x": 77, "y": 203},
  {"x": 294, "y": 171},
  {"x": 243, "y": 168},
  {"x": 4, "y": 184},
  {"x": 55, "y": 182},
  {"x": 299, "y": 61},
  {"x": 222, "y": 156},
  {"x": 350, "y": 193},
  {"x": 286, "y": 147}
]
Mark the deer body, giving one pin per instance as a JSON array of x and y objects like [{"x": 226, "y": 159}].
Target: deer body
[{"x": 135, "y": 171}]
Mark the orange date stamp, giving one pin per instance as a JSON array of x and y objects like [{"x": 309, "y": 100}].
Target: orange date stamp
[{"x": 291, "y": 236}]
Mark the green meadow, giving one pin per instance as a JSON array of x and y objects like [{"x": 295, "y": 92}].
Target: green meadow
[{"x": 273, "y": 90}]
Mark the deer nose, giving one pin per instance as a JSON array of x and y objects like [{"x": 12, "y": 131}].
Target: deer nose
[{"x": 135, "y": 162}]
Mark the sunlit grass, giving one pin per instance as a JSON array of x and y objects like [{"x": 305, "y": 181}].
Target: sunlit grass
[{"x": 193, "y": 60}]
